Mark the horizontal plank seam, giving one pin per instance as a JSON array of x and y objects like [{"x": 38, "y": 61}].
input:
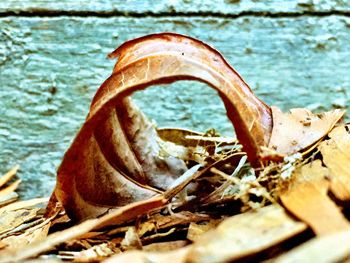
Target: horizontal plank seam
[{"x": 116, "y": 13}]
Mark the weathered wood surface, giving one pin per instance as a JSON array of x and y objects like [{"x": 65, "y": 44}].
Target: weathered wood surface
[
  {"x": 50, "y": 68},
  {"x": 131, "y": 7}
]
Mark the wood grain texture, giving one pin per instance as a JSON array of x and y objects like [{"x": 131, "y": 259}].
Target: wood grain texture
[
  {"x": 330, "y": 248},
  {"x": 132, "y": 7},
  {"x": 50, "y": 68}
]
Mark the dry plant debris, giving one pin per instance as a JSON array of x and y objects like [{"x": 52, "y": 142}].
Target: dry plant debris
[
  {"x": 7, "y": 191},
  {"x": 129, "y": 191},
  {"x": 336, "y": 156}
]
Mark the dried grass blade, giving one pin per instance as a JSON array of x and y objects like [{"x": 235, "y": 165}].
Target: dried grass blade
[
  {"x": 8, "y": 176},
  {"x": 9, "y": 189}
]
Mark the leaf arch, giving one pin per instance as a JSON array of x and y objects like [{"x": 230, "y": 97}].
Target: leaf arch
[{"x": 91, "y": 163}]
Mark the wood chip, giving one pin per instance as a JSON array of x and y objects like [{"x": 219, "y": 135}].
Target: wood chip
[
  {"x": 336, "y": 156},
  {"x": 23, "y": 227},
  {"x": 159, "y": 222},
  {"x": 306, "y": 197},
  {"x": 8, "y": 199},
  {"x": 8, "y": 176},
  {"x": 326, "y": 249},
  {"x": 9, "y": 189},
  {"x": 195, "y": 230},
  {"x": 24, "y": 204},
  {"x": 117, "y": 216},
  {"x": 244, "y": 234},
  {"x": 50, "y": 242},
  {"x": 97, "y": 252},
  {"x": 34, "y": 234},
  {"x": 165, "y": 246},
  {"x": 153, "y": 238},
  {"x": 11, "y": 219}
]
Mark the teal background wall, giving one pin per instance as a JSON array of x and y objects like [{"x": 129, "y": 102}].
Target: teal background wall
[{"x": 53, "y": 59}]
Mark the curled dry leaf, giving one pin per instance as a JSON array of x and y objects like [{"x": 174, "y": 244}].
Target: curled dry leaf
[{"x": 114, "y": 159}]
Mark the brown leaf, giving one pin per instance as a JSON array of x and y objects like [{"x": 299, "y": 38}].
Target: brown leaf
[
  {"x": 115, "y": 166},
  {"x": 336, "y": 156},
  {"x": 114, "y": 217},
  {"x": 300, "y": 129},
  {"x": 164, "y": 58},
  {"x": 306, "y": 197},
  {"x": 114, "y": 160},
  {"x": 116, "y": 157}
]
